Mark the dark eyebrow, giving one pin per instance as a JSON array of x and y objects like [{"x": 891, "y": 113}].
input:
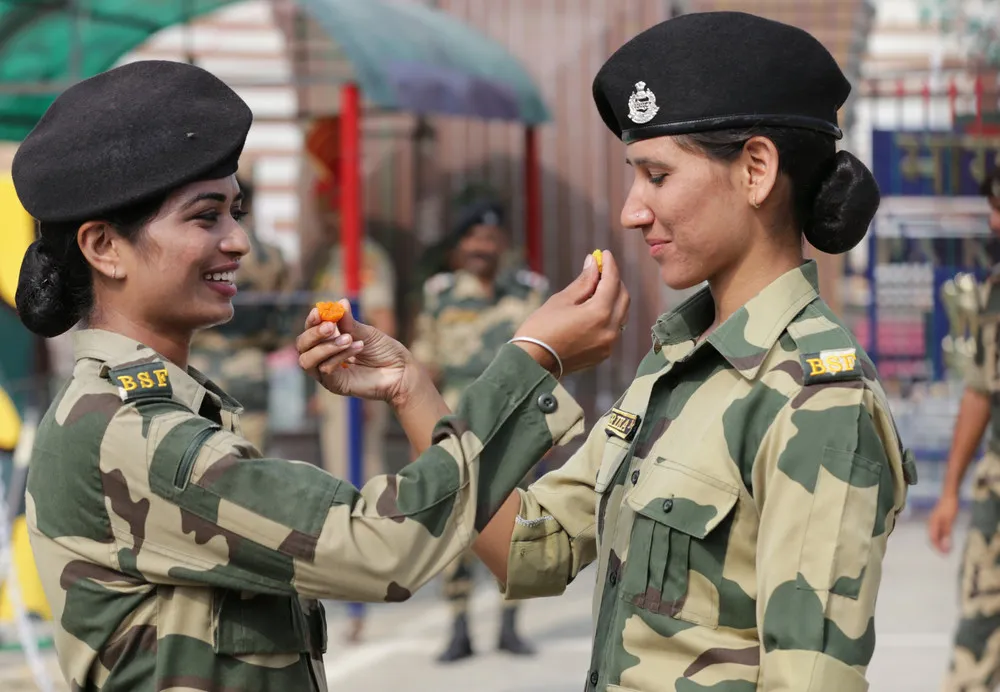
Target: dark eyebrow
[
  {"x": 643, "y": 161},
  {"x": 214, "y": 196}
]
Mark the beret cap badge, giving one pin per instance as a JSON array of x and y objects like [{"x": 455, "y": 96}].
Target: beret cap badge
[{"x": 642, "y": 104}]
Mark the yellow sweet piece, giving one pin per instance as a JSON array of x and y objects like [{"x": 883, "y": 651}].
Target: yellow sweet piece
[{"x": 599, "y": 257}]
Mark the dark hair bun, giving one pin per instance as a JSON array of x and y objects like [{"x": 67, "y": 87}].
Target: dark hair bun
[
  {"x": 45, "y": 298},
  {"x": 844, "y": 206}
]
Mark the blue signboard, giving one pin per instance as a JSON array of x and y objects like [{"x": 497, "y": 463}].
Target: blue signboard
[{"x": 922, "y": 163}]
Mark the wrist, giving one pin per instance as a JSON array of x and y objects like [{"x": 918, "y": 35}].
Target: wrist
[
  {"x": 414, "y": 385},
  {"x": 540, "y": 356}
]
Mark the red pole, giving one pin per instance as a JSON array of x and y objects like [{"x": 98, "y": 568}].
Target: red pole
[
  {"x": 979, "y": 103},
  {"x": 350, "y": 176},
  {"x": 953, "y": 101},
  {"x": 532, "y": 200}
]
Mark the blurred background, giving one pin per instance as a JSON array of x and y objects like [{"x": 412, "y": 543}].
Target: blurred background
[{"x": 495, "y": 95}]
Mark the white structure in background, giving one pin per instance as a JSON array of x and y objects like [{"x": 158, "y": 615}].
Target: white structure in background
[{"x": 243, "y": 46}]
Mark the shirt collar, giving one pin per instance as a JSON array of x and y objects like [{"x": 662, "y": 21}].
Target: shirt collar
[
  {"x": 744, "y": 339},
  {"x": 190, "y": 387}
]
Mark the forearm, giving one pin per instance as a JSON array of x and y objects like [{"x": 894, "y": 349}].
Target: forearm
[
  {"x": 421, "y": 411},
  {"x": 973, "y": 416},
  {"x": 493, "y": 544}
]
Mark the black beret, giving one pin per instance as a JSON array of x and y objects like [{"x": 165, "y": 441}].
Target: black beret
[
  {"x": 484, "y": 211},
  {"x": 719, "y": 70},
  {"x": 128, "y": 135}
]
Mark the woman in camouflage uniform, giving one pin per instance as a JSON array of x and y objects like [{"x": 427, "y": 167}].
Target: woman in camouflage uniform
[
  {"x": 172, "y": 554},
  {"x": 739, "y": 495}
]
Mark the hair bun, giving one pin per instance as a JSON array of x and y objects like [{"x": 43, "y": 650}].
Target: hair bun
[
  {"x": 844, "y": 206},
  {"x": 44, "y": 297}
]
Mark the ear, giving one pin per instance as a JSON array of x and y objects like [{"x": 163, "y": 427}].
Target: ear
[
  {"x": 759, "y": 169},
  {"x": 100, "y": 246}
]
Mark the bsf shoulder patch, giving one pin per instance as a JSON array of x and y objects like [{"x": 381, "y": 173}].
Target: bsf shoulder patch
[
  {"x": 621, "y": 424},
  {"x": 830, "y": 366},
  {"x": 146, "y": 380}
]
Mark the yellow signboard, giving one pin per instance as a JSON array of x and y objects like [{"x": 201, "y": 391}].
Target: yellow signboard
[{"x": 17, "y": 230}]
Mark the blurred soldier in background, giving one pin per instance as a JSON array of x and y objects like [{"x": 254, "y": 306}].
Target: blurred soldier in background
[
  {"x": 975, "y": 663},
  {"x": 234, "y": 354},
  {"x": 467, "y": 316},
  {"x": 323, "y": 273}
]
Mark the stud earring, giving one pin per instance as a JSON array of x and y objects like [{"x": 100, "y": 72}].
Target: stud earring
[{"x": 754, "y": 203}]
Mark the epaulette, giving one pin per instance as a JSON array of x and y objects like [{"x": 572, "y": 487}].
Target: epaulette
[
  {"x": 532, "y": 280},
  {"x": 142, "y": 381},
  {"x": 439, "y": 283},
  {"x": 826, "y": 355}
]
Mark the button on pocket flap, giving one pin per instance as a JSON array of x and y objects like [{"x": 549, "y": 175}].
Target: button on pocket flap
[
  {"x": 615, "y": 451},
  {"x": 682, "y": 498}
]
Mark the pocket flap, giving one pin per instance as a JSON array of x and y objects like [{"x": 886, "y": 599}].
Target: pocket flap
[
  {"x": 263, "y": 624},
  {"x": 682, "y": 498},
  {"x": 615, "y": 451}
]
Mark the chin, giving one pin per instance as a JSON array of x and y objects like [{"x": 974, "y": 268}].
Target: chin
[
  {"x": 216, "y": 317},
  {"x": 678, "y": 279}
]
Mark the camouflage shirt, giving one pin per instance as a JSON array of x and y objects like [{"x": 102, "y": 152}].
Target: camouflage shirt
[
  {"x": 463, "y": 325},
  {"x": 737, "y": 499},
  {"x": 982, "y": 374},
  {"x": 175, "y": 557}
]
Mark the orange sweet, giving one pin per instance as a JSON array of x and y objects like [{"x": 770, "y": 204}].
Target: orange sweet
[{"x": 330, "y": 311}]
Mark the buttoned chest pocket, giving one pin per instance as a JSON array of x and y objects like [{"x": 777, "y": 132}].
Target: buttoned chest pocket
[
  {"x": 616, "y": 451},
  {"x": 675, "y": 556}
]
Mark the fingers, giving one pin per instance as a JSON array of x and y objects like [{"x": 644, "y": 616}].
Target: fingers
[
  {"x": 619, "y": 315},
  {"x": 313, "y": 335},
  {"x": 312, "y": 319},
  {"x": 335, "y": 351},
  {"x": 582, "y": 287}
]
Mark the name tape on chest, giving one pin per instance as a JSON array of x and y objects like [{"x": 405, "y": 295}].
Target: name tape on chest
[
  {"x": 621, "y": 424},
  {"x": 831, "y": 366},
  {"x": 146, "y": 380}
]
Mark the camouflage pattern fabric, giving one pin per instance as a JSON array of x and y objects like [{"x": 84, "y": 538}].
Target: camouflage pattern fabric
[
  {"x": 459, "y": 331},
  {"x": 176, "y": 558},
  {"x": 234, "y": 355},
  {"x": 975, "y": 660},
  {"x": 738, "y": 499}
]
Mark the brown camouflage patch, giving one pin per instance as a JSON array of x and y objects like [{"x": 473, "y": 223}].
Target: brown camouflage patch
[
  {"x": 748, "y": 362},
  {"x": 134, "y": 513},
  {"x": 809, "y": 391},
  {"x": 652, "y": 601},
  {"x": 387, "y": 504},
  {"x": 792, "y": 367},
  {"x": 217, "y": 470},
  {"x": 138, "y": 638},
  {"x": 712, "y": 657},
  {"x": 246, "y": 452},
  {"x": 78, "y": 569},
  {"x": 396, "y": 593},
  {"x": 105, "y": 404},
  {"x": 452, "y": 425},
  {"x": 300, "y": 545},
  {"x": 204, "y": 531}
]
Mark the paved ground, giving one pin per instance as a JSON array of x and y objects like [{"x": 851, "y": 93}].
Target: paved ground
[{"x": 916, "y": 612}]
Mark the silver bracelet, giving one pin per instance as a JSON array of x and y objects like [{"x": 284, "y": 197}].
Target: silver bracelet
[{"x": 544, "y": 345}]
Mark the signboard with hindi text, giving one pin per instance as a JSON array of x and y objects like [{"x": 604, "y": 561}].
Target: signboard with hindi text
[{"x": 929, "y": 163}]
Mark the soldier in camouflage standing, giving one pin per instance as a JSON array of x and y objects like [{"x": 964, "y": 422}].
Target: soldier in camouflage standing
[
  {"x": 468, "y": 315},
  {"x": 739, "y": 496},
  {"x": 975, "y": 663},
  {"x": 234, "y": 354},
  {"x": 175, "y": 556}
]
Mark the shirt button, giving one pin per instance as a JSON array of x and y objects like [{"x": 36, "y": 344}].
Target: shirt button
[
  {"x": 547, "y": 403},
  {"x": 635, "y": 476},
  {"x": 593, "y": 677},
  {"x": 668, "y": 505},
  {"x": 613, "y": 578}
]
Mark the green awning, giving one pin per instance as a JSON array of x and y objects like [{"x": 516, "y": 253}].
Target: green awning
[{"x": 405, "y": 56}]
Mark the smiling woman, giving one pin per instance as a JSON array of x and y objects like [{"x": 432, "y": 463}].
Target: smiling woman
[{"x": 172, "y": 554}]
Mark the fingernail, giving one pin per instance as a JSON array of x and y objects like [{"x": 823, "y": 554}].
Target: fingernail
[
  {"x": 587, "y": 263},
  {"x": 357, "y": 345},
  {"x": 343, "y": 340},
  {"x": 326, "y": 328}
]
